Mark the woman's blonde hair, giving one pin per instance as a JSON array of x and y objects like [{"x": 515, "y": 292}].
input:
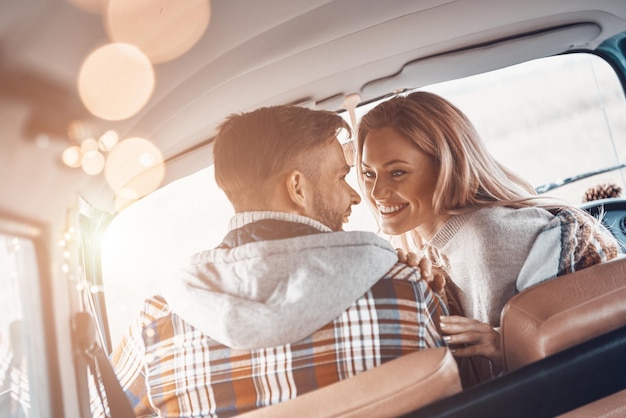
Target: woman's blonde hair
[{"x": 468, "y": 175}]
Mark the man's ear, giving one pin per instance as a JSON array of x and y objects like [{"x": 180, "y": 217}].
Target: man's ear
[{"x": 297, "y": 189}]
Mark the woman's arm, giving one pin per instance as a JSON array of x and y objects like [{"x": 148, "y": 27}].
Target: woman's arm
[{"x": 571, "y": 241}]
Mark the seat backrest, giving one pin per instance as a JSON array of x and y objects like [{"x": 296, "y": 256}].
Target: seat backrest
[
  {"x": 563, "y": 312},
  {"x": 392, "y": 389}
]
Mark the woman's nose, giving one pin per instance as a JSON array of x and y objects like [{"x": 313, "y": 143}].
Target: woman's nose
[{"x": 379, "y": 189}]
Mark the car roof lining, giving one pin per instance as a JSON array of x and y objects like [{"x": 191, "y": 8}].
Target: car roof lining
[
  {"x": 482, "y": 59},
  {"x": 239, "y": 73},
  {"x": 425, "y": 71},
  {"x": 281, "y": 56}
]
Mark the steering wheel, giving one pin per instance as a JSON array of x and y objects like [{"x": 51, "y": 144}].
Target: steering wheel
[{"x": 612, "y": 213}]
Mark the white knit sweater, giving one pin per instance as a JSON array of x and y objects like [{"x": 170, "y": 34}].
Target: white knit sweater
[{"x": 494, "y": 252}]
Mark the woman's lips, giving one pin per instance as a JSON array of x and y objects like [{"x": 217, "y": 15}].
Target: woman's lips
[{"x": 390, "y": 210}]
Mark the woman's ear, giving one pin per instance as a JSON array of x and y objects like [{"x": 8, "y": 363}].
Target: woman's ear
[{"x": 297, "y": 189}]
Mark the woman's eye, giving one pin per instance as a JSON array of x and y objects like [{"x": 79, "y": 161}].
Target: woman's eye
[
  {"x": 397, "y": 173},
  {"x": 368, "y": 174}
]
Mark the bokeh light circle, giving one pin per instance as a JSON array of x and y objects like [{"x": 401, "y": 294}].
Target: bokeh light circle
[
  {"x": 92, "y": 162},
  {"x": 116, "y": 81},
  {"x": 108, "y": 140},
  {"x": 163, "y": 29},
  {"x": 78, "y": 130},
  {"x": 89, "y": 144},
  {"x": 71, "y": 156},
  {"x": 126, "y": 171}
]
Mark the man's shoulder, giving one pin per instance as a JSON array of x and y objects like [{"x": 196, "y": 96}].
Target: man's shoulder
[
  {"x": 403, "y": 286},
  {"x": 402, "y": 272},
  {"x": 154, "y": 308},
  {"x": 156, "y": 314},
  {"x": 404, "y": 282}
]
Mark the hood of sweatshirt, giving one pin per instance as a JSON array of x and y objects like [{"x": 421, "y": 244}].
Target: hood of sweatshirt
[{"x": 269, "y": 293}]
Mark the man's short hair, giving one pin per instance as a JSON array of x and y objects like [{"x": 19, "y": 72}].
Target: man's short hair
[{"x": 250, "y": 149}]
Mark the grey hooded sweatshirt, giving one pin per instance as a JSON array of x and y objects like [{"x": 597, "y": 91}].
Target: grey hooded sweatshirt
[{"x": 266, "y": 293}]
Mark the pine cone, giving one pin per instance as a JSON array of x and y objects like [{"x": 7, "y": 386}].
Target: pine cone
[{"x": 602, "y": 191}]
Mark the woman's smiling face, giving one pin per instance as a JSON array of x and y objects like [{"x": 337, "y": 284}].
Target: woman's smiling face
[{"x": 399, "y": 182}]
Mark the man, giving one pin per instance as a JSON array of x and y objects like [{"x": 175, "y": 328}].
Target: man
[{"x": 288, "y": 302}]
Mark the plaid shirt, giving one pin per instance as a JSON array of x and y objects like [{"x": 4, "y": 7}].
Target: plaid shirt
[{"x": 170, "y": 369}]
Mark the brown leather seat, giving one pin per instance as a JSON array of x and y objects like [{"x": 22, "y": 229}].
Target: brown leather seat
[
  {"x": 563, "y": 312},
  {"x": 392, "y": 389}
]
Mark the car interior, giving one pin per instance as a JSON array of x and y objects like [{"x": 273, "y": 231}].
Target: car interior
[{"x": 108, "y": 110}]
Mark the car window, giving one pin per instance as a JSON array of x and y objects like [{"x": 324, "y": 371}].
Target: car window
[
  {"x": 148, "y": 242},
  {"x": 14, "y": 382},
  {"x": 21, "y": 340},
  {"x": 548, "y": 120}
]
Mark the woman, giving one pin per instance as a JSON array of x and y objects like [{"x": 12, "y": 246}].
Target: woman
[{"x": 438, "y": 191}]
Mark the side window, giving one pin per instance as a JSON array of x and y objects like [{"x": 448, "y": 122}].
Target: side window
[
  {"x": 14, "y": 381},
  {"x": 549, "y": 120},
  {"x": 148, "y": 242},
  {"x": 25, "y": 377}
]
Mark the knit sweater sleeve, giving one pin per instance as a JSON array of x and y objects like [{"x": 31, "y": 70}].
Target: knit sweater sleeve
[{"x": 572, "y": 241}]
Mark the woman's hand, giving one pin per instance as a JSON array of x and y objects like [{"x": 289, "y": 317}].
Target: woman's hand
[
  {"x": 435, "y": 278},
  {"x": 469, "y": 337}
]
